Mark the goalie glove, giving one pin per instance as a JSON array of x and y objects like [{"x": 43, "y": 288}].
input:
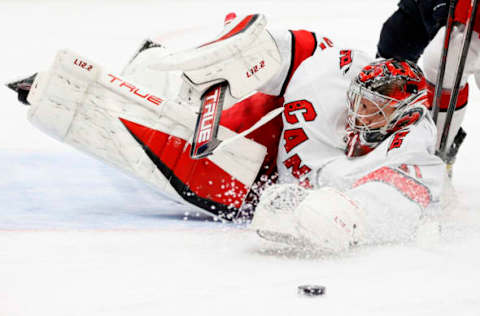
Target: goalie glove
[{"x": 324, "y": 219}]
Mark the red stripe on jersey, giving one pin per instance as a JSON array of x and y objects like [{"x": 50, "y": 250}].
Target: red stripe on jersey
[
  {"x": 462, "y": 99},
  {"x": 199, "y": 181},
  {"x": 408, "y": 186},
  {"x": 243, "y": 25},
  {"x": 304, "y": 44}
]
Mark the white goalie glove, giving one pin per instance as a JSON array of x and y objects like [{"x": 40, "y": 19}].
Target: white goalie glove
[{"x": 324, "y": 218}]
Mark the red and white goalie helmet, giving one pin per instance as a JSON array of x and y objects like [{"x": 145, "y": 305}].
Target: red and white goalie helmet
[{"x": 386, "y": 96}]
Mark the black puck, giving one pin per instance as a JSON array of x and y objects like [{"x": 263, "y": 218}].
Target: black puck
[{"x": 311, "y": 290}]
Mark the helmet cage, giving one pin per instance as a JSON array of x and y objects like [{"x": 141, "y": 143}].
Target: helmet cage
[
  {"x": 356, "y": 121},
  {"x": 386, "y": 96}
]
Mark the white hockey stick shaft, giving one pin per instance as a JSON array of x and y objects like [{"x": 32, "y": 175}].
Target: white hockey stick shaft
[{"x": 264, "y": 120}]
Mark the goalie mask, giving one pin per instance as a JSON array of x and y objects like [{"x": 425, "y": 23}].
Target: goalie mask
[{"x": 386, "y": 96}]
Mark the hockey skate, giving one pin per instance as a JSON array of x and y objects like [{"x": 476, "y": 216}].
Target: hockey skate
[
  {"x": 146, "y": 44},
  {"x": 22, "y": 87}
]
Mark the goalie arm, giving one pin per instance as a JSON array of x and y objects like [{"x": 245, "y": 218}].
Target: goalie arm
[
  {"x": 406, "y": 188},
  {"x": 384, "y": 205},
  {"x": 397, "y": 198}
]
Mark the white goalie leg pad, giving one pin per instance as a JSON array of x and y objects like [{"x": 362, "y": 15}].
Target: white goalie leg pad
[
  {"x": 325, "y": 218},
  {"x": 79, "y": 103},
  {"x": 69, "y": 103}
]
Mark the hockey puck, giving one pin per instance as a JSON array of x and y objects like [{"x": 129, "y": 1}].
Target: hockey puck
[{"x": 311, "y": 290}]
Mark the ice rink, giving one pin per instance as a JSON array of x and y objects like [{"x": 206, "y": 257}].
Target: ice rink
[{"x": 79, "y": 238}]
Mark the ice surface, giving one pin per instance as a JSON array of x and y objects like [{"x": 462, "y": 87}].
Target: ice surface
[{"x": 79, "y": 238}]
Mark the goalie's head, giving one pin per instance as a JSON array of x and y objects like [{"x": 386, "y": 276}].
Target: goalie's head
[{"x": 386, "y": 96}]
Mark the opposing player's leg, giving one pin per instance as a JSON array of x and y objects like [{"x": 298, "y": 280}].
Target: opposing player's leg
[
  {"x": 431, "y": 67},
  {"x": 403, "y": 36}
]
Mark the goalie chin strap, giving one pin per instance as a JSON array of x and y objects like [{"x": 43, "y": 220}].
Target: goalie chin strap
[{"x": 442, "y": 151}]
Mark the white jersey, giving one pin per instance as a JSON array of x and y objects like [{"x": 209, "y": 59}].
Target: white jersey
[{"x": 400, "y": 179}]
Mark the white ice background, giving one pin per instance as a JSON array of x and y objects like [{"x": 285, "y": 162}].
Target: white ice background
[{"x": 79, "y": 238}]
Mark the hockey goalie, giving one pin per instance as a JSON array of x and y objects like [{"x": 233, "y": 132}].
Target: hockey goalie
[{"x": 321, "y": 145}]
